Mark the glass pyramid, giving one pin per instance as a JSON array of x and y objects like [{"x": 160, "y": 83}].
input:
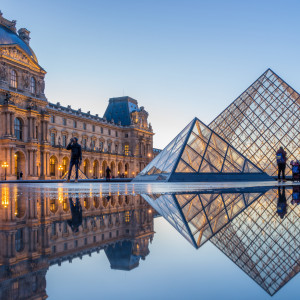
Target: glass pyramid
[
  {"x": 200, "y": 215},
  {"x": 263, "y": 118},
  {"x": 262, "y": 244},
  {"x": 199, "y": 154}
]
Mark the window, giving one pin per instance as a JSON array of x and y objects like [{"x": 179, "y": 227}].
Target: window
[
  {"x": 116, "y": 148},
  {"x": 13, "y": 79},
  {"x": 19, "y": 241},
  {"x": 109, "y": 132},
  {"x": 52, "y": 166},
  {"x": 74, "y": 124},
  {"x": 64, "y": 140},
  {"x": 84, "y": 143},
  {"x": 101, "y": 129},
  {"x": 100, "y": 145},
  {"x": 126, "y": 135},
  {"x": 32, "y": 85},
  {"x": 52, "y": 139},
  {"x": 93, "y": 128},
  {"x": 84, "y": 126},
  {"x": 109, "y": 147},
  {"x": 126, "y": 150},
  {"x": 52, "y": 119},
  {"x": 116, "y": 133},
  {"x": 65, "y": 246},
  {"x": 64, "y": 121},
  {"x": 93, "y": 143},
  {"x": 18, "y": 129},
  {"x": 127, "y": 217}
]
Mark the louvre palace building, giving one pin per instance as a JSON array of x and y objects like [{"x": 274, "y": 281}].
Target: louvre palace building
[{"x": 34, "y": 133}]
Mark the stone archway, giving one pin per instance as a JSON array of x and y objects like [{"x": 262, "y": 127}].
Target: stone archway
[
  {"x": 126, "y": 173},
  {"x": 86, "y": 167},
  {"x": 95, "y": 169},
  {"x": 113, "y": 169},
  {"x": 20, "y": 165},
  {"x": 65, "y": 165},
  {"x": 103, "y": 171},
  {"x": 120, "y": 169}
]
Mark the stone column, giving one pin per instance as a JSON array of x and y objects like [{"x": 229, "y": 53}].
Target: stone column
[
  {"x": 28, "y": 162},
  {"x": 34, "y": 128},
  {"x": 34, "y": 163},
  {"x": 46, "y": 133},
  {"x": 6, "y": 123},
  {"x": 12, "y": 130}
]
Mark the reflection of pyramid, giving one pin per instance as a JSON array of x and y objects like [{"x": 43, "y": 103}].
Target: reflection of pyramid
[
  {"x": 264, "y": 117},
  {"x": 199, "y": 216},
  {"x": 199, "y": 154},
  {"x": 263, "y": 245}
]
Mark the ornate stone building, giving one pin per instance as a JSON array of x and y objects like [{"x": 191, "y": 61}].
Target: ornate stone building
[
  {"x": 34, "y": 132},
  {"x": 35, "y": 234}
]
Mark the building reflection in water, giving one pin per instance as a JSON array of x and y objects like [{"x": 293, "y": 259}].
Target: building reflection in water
[
  {"x": 257, "y": 229},
  {"x": 37, "y": 231}
]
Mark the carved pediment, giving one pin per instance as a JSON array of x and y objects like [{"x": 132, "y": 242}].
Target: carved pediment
[{"x": 14, "y": 52}]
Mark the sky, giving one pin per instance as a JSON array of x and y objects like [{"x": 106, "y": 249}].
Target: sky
[{"x": 179, "y": 59}]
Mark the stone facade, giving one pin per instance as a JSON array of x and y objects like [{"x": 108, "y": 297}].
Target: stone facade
[{"x": 34, "y": 132}]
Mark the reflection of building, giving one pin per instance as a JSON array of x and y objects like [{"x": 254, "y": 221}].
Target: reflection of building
[
  {"x": 35, "y": 234},
  {"x": 34, "y": 133}
]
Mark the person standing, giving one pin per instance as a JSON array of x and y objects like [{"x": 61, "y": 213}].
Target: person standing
[
  {"x": 281, "y": 203},
  {"x": 76, "y": 157},
  {"x": 21, "y": 175},
  {"x": 76, "y": 212},
  {"x": 281, "y": 163},
  {"x": 108, "y": 172}
]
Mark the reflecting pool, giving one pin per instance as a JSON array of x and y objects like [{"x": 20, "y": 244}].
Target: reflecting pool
[{"x": 146, "y": 241}]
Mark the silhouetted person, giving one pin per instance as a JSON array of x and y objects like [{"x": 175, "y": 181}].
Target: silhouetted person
[
  {"x": 281, "y": 163},
  {"x": 21, "y": 175},
  {"x": 76, "y": 211},
  {"x": 76, "y": 157},
  {"x": 296, "y": 194},
  {"x": 107, "y": 173},
  {"x": 281, "y": 204}
]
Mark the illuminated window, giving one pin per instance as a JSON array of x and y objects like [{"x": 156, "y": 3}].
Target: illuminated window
[
  {"x": 52, "y": 166},
  {"x": 126, "y": 150},
  {"x": 100, "y": 145},
  {"x": 13, "y": 79},
  {"x": 127, "y": 217},
  {"x": 32, "y": 85}
]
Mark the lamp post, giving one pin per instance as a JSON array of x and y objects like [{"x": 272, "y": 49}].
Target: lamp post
[
  {"x": 5, "y": 166},
  {"x": 60, "y": 168}
]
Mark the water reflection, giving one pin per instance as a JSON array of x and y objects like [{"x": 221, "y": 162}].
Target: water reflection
[
  {"x": 257, "y": 228},
  {"x": 37, "y": 231}
]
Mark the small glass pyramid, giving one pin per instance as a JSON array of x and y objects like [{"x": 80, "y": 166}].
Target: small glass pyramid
[
  {"x": 263, "y": 118},
  {"x": 199, "y": 154}
]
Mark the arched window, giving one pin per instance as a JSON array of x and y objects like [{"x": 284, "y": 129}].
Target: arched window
[
  {"x": 13, "y": 79},
  {"x": 32, "y": 85},
  {"x": 52, "y": 166},
  {"x": 18, "y": 129}
]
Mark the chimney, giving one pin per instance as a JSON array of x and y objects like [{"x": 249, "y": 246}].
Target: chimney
[{"x": 24, "y": 35}]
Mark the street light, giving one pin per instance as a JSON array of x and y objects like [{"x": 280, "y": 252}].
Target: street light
[{"x": 5, "y": 166}]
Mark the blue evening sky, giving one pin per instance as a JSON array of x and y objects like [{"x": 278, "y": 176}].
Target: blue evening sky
[{"x": 179, "y": 59}]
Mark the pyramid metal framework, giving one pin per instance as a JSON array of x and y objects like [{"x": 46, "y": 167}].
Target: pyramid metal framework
[
  {"x": 199, "y": 154},
  {"x": 262, "y": 244},
  {"x": 200, "y": 215},
  {"x": 263, "y": 118},
  {"x": 81, "y": 175}
]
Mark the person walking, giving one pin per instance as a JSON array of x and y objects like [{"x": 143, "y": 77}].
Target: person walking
[
  {"x": 108, "y": 172},
  {"x": 76, "y": 157},
  {"x": 281, "y": 163}
]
